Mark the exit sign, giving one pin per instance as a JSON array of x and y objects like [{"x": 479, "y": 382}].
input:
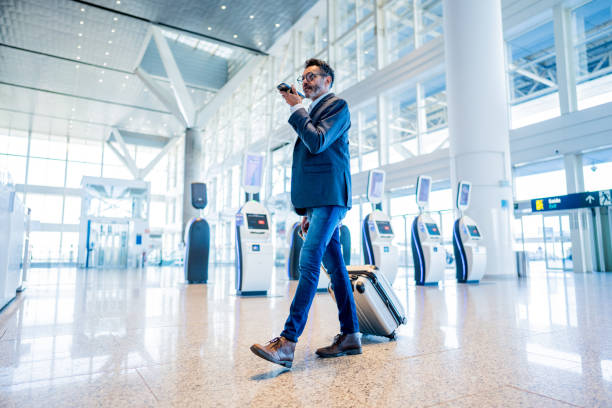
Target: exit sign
[{"x": 573, "y": 201}]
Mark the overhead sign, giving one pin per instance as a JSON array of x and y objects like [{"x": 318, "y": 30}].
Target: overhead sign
[{"x": 573, "y": 201}]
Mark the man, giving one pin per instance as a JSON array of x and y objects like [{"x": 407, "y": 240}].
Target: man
[{"x": 321, "y": 191}]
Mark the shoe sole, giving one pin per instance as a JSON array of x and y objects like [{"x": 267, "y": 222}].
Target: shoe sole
[
  {"x": 343, "y": 353},
  {"x": 261, "y": 354}
]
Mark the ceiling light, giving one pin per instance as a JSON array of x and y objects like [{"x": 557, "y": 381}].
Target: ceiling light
[
  {"x": 235, "y": 35},
  {"x": 123, "y": 85},
  {"x": 80, "y": 34},
  {"x": 127, "y": 77},
  {"x": 82, "y": 9},
  {"x": 102, "y": 72},
  {"x": 100, "y": 80},
  {"x": 76, "y": 66},
  {"x": 110, "y": 41},
  {"x": 78, "y": 57},
  {"x": 106, "y": 53},
  {"x": 81, "y": 22},
  {"x": 118, "y": 2},
  {"x": 276, "y": 25},
  {"x": 325, "y": 40},
  {"x": 115, "y": 19},
  {"x": 209, "y": 28},
  {"x": 73, "y": 109},
  {"x": 223, "y": 7},
  {"x": 165, "y": 124},
  {"x": 192, "y": 91},
  {"x": 146, "y": 90},
  {"x": 251, "y": 17},
  {"x": 131, "y": 118},
  {"x": 113, "y": 30},
  {"x": 105, "y": 64},
  {"x": 78, "y": 46}
]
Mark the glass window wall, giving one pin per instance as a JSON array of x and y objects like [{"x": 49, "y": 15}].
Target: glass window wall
[
  {"x": 540, "y": 184},
  {"x": 399, "y": 26},
  {"x": 532, "y": 72},
  {"x": 593, "y": 50}
]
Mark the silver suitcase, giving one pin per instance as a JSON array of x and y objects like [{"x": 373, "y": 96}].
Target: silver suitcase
[{"x": 379, "y": 311}]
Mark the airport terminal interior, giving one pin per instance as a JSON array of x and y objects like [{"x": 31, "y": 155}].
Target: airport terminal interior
[{"x": 147, "y": 232}]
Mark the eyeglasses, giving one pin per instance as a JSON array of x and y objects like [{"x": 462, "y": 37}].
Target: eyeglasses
[{"x": 309, "y": 77}]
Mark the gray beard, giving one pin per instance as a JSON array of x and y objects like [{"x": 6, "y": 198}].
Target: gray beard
[{"x": 315, "y": 91}]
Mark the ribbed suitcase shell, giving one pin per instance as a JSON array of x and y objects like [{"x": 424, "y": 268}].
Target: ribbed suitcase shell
[{"x": 379, "y": 311}]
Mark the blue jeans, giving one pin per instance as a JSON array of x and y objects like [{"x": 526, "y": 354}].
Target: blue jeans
[{"x": 322, "y": 243}]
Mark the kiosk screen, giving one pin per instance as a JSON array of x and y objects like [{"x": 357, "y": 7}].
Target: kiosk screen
[
  {"x": 473, "y": 230},
  {"x": 257, "y": 221},
  {"x": 432, "y": 229},
  {"x": 376, "y": 184},
  {"x": 384, "y": 227},
  {"x": 253, "y": 165},
  {"x": 464, "y": 195},
  {"x": 424, "y": 189}
]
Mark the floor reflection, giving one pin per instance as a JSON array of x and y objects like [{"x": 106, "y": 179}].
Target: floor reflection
[{"x": 178, "y": 344}]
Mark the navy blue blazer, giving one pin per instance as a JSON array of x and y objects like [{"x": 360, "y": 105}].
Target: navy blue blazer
[{"x": 321, "y": 174}]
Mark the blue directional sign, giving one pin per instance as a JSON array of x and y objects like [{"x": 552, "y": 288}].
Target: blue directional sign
[{"x": 573, "y": 201}]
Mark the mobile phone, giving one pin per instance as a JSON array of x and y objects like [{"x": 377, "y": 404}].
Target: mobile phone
[{"x": 286, "y": 88}]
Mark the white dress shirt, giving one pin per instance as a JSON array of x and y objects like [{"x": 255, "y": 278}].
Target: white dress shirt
[{"x": 312, "y": 105}]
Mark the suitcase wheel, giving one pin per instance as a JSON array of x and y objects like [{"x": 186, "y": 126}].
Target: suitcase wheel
[
  {"x": 392, "y": 336},
  {"x": 360, "y": 287}
]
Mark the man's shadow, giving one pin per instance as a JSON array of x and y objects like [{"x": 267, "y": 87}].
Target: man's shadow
[{"x": 270, "y": 374}]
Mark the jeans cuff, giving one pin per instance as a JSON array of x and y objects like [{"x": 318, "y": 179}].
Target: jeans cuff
[{"x": 289, "y": 337}]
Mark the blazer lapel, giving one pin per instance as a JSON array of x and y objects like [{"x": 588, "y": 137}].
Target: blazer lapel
[{"x": 314, "y": 115}]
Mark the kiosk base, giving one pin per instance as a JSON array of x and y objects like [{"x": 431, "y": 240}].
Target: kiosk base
[
  {"x": 427, "y": 283},
  {"x": 469, "y": 282},
  {"x": 196, "y": 281},
  {"x": 251, "y": 292}
]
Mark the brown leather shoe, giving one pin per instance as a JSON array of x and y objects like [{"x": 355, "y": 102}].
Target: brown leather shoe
[
  {"x": 343, "y": 345},
  {"x": 279, "y": 350}
]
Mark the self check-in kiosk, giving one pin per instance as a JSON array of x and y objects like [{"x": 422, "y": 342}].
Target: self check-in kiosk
[
  {"x": 294, "y": 259},
  {"x": 254, "y": 251},
  {"x": 295, "y": 247},
  {"x": 470, "y": 254},
  {"x": 377, "y": 233},
  {"x": 12, "y": 226},
  {"x": 197, "y": 239},
  {"x": 425, "y": 238}
]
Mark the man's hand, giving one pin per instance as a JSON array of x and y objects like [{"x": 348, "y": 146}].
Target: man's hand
[
  {"x": 304, "y": 224},
  {"x": 292, "y": 98}
]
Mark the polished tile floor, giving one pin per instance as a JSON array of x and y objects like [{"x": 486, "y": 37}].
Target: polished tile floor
[{"x": 143, "y": 338}]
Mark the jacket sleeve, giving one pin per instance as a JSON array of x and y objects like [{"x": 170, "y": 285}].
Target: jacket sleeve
[{"x": 319, "y": 137}]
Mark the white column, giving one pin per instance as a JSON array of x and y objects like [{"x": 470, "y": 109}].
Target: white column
[
  {"x": 383, "y": 134},
  {"x": 565, "y": 57},
  {"x": 379, "y": 19},
  {"x": 192, "y": 172},
  {"x": 421, "y": 115},
  {"x": 331, "y": 32},
  {"x": 478, "y": 121},
  {"x": 580, "y": 220}
]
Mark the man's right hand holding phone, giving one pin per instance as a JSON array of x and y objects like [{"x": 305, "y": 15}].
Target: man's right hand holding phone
[{"x": 291, "y": 95}]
